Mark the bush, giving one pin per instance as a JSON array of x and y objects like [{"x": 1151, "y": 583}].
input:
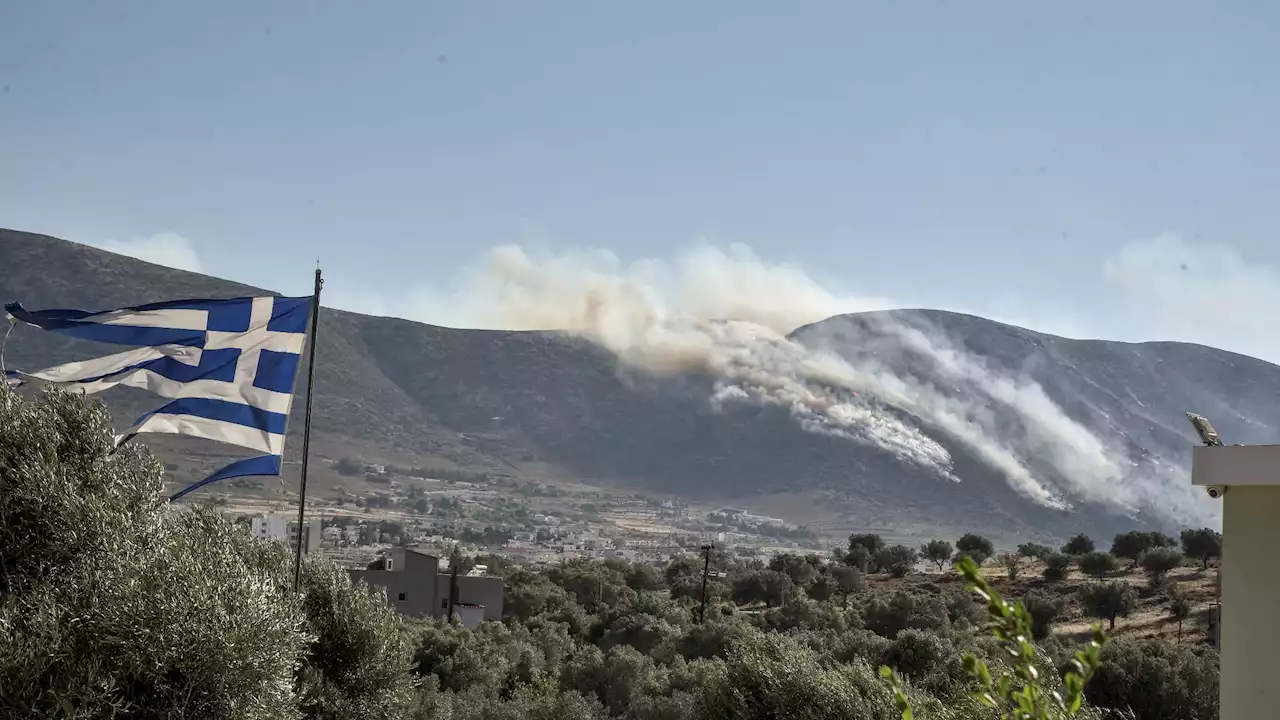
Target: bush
[
  {"x": 861, "y": 559},
  {"x": 1203, "y": 545},
  {"x": 761, "y": 586},
  {"x": 869, "y": 542},
  {"x": 1107, "y": 601},
  {"x": 349, "y": 467},
  {"x": 848, "y": 580},
  {"x": 1034, "y": 551},
  {"x": 1078, "y": 545},
  {"x": 887, "y": 615},
  {"x": 1179, "y": 607},
  {"x": 1056, "y": 567},
  {"x": 938, "y": 552},
  {"x": 801, "y": 569},
  {"x": 1012, "y": 563},
  {"x": 120, "y": 601},
  {"x": 897, "y": 560},
  {"x": 1133, "y": 544},
  {"x": 976, "y": 547},
  {"x": 1156, "y": 679},
  {"x": 1159, "y": 561},
  {"x": 774, "y": 676},
  {"x": 1044, "y": 609},
  {"x": 1098, "y": 564},
  {"x": 930, "y": 661},
  {"x": 358, "y": 661}
]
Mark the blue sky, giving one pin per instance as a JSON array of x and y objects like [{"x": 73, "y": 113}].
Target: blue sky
[{"x": 1086, "y": 168}]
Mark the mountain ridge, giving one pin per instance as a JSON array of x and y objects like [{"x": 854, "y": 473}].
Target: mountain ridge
[{"x": 543, "y": 404}]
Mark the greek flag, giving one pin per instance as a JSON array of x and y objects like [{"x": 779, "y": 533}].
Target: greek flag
[{"x": 227, "y": 368}]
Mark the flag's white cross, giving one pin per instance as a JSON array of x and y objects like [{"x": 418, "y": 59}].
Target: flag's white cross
[
  {"x": 121, "y": 369},
  {"x": 240, "y": 390},
  {"x": 252, "y": 343}
]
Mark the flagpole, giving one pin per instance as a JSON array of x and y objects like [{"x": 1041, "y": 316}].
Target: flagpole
[{"x": 306, "y": 428}]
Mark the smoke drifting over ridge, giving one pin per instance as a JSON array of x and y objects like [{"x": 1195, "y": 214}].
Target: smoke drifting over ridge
[{"x": 726, "y": 313}]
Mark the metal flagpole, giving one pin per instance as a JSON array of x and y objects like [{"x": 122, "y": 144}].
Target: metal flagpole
[
  {"x": 706, "y": 569},
  {"x": 306, "y": 428}
]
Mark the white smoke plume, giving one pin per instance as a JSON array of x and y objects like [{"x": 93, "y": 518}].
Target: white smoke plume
[{"x": 726, "y": 313}]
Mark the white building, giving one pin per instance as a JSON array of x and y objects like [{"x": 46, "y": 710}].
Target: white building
[
  {"x": 274, "y": 527},
  {"x": 1246, "y": 478},
  {"x": 311, "y": 534},
  {"x": 268, "y": 527}
]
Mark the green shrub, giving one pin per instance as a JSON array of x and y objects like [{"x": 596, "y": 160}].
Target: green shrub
[
  {"x": 976, "y": 547},
  {"x": 1078, "y": 545},
  {"x": 1043, "y": 609},
  {"x": 1156, "y": 679},
  {"x": 1098, "y": 564},
  {"x": 1056, "y": 567},
  {"x": 1157, "y": 562}
]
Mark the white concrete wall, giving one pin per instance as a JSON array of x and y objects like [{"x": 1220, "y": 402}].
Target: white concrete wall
[
  {"x": 1236, "y": 465},
  {"x": 1250, "y": 602},
  {"x": 268, "y": 527},
  {"x": 469, "y": 617}
]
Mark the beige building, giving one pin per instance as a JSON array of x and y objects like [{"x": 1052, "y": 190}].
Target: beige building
[
  {"x": 1246, "y": 478},
  {"x": 416, "y": 588}
]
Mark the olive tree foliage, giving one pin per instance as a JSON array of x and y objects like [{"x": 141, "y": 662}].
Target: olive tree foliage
[
  {"x": 1034, "y": 551},
  {"x": 1043, "y": 608},
  {"x": 897, "y": 560},
  {"x": 773, "y": 676},
  {"x": 1078, "y": 545},
  {"x": 1133, "y": 544},
  {"x": 1180, "y": 607},
  {"x": 357, "y": 662},
  {"x": 976, "y": 547},
  {"x": 1098, "y": 564},
  {"x": 938, "y": 552},
  {"x": 1158, "y": 562},
  {"x": 1204, "y": 545},
  {"x": 1155, "y": 679},
  {"x": 1056, "y": 567},
  {"x": 1108, "y": 600},
  {"x": 115, "y": 603}
]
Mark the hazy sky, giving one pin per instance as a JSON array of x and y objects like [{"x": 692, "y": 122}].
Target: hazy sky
[{"x": 1099, "y": 169}]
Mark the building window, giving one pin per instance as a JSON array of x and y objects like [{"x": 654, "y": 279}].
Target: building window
[
  {"x": 402, "y": 597},
  {"x": 387, "y": 565},
  {"x": 444, "y": 604}
]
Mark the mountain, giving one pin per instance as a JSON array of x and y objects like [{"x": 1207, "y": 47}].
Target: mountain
[{"x": 548, "y": 406}]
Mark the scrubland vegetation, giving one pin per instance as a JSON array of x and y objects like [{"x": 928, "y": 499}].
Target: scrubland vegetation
[{"x": 116, "y": 605}]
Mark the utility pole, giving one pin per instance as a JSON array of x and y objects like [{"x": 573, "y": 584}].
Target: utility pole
[{"x": 706, "y": 567}]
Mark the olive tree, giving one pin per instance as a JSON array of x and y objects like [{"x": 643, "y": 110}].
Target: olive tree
[{"x": 114, "y": 599}]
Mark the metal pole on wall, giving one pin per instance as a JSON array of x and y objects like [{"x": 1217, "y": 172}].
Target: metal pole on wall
[{"x": 306, "y": 428}]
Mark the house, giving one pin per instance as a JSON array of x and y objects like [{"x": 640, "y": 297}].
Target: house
[
  {"x": 416, "y": 588},
  {"x": 312, "y": 531}
]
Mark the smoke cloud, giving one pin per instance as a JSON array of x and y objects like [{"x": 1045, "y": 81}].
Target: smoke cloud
[
  {"x": 163, "y": 248},
  {"x": 726, "y": 313},
  {"x": 1201, "y": 293}
]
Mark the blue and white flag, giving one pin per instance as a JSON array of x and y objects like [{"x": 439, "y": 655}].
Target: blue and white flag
[{"x": 226, "y": 366}]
